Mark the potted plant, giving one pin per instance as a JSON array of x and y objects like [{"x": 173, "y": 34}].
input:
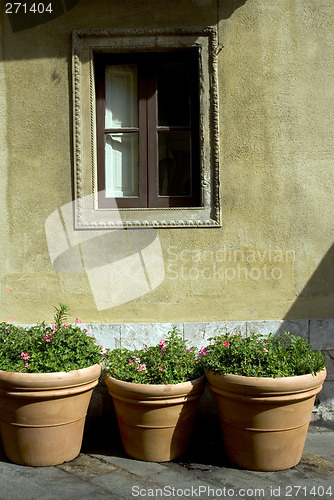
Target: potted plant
[
  {"x": 155, "y": 391},
  {"x": 265, "y": 389},
  {"x": 47, "y": 374}
]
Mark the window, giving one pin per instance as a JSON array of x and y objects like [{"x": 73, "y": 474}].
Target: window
[{"x": 146, "y": 128}]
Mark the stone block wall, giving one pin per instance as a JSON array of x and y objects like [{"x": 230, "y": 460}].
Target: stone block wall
[{"x": 319, "y": 333}]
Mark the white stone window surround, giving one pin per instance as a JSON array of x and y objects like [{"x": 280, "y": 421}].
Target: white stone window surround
[{"x": 87, "y": 213}]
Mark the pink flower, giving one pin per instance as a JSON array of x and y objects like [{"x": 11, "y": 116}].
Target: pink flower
[
  {"x": 66, "y": 325},
  {"x": 104, "y": 350},
  {"x": 188, "y": 350},
  {"x": 160, "y": 368},
  {"x": 26, "y": 365},
  {"x": 53, "y": 328},
  {"x": 265, "y": 350},
  {"x": 141, "y": 368},
  {"x": 48, "y": 337},
  {"x": 162, "y": 344},
  {"x": 130, "y": 362},
  {"x": 25, "y": 355},
  {"x": 137, "y": 360},
  {"x": 202, "y": 351},
  {"x": 226, "y": 344},
  {"x": 78, "y": 322}
]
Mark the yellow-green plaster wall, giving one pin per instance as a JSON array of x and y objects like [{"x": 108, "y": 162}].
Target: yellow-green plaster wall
[{"x": 272, "y": 258}]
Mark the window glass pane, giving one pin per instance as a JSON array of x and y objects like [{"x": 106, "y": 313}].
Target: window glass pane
[
  {"x": 174, "y": 163},
  {"x": 121, "y": 165},
  {"x": 173, "y": 85},
  {"x": 121, "y": 96}
]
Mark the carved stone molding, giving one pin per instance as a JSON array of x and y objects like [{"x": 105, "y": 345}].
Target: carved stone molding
[{"x": 85, "y": 42}]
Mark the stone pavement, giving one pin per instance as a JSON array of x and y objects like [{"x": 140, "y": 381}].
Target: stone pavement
[{"x": 103, "y": 471}]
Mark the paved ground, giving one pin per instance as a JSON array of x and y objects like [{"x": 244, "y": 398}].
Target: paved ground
[{"x": 102, "y": 471}]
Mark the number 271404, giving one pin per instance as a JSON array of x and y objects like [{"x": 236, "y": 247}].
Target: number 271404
[{"x": 34, "y": 8}]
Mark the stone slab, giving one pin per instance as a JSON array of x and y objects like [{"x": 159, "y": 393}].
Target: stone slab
[
  {"x": 198, "y": 334},
  {"x": 108, "y": 335},
  {"x": 140, "y": 335},
  {"x": 296, "y": 327},
  {"x": 322, "y": 333}
]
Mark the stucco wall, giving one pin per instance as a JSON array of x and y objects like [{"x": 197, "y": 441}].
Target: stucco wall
[{"x": 273, "y": 256}]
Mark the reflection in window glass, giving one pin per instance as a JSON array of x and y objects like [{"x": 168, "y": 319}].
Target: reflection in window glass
[
  {"x": 121, "y": 165},
  {"x": 174, "y": 163},
  {"x": 173, "y": 85},
  {"x": 121, "y": 96}
]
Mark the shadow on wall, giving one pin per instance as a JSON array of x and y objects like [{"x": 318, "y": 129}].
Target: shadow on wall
[
  {"x": 22, "y": 17},
  {"x": 27, "y": 16},
  {"x": 226, "y": 8},
  {"x": 316, "y": 300}
]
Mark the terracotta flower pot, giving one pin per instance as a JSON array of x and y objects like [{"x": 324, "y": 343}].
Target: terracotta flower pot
[
  {"x": 42, "y": 415},
  {"x": 264, "y": 421},
  {"x": 155, "y": 421}
]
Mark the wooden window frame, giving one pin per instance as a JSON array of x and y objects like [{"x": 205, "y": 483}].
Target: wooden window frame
[
  {"x": 148, "y": 128},
  {"x": 88, "y": 213}
]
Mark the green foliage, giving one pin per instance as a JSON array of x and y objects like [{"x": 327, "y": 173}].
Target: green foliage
[
  {"x": 169, "y": 362},
  {"x": 43, "y": 348},
  {"x": 61, "y": 314},
  {"x": 257, "y": 356}
]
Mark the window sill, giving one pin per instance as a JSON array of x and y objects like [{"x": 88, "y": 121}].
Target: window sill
[{"x": 90, "y": 218}]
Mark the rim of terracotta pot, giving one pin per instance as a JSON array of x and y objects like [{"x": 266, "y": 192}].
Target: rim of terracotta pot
[
  {"x": 55, "y": 380},
  {"x": 266, "y": 385},
  {"x": 153, "y": 391}
]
